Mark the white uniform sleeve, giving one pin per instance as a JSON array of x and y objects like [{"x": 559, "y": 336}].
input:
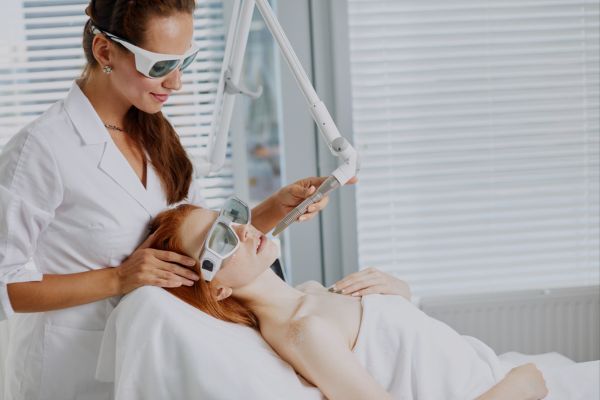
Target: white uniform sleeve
[
  {"x": 194, "y": 196},
  {"x": 30, "y": 191}
]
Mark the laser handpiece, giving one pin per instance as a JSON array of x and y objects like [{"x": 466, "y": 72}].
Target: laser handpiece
[{"x": 327, "y": 186}]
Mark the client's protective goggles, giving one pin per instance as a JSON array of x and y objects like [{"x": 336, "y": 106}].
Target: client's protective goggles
[
  {"x": 222, "y": 241},
  {"x": 153, "y": 65}
]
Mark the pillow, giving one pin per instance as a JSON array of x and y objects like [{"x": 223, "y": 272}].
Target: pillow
[{"x": 156, "y": 346}]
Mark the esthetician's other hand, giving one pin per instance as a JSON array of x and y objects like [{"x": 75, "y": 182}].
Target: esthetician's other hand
[
  {"x": 372, "y": 281},
  {"x": 290, "y": 196},
  {"x": 146, "y": 266}
]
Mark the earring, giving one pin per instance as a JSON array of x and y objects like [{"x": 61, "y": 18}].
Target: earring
[{"x": 107, "y": 69}]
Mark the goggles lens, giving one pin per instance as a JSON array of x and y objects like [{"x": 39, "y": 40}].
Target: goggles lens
[
  {"x": 222, "y": 240},
  {"x": 236, "y": 211},
  {"x": 162, "y": 68},
  {"x": 186, "y": 62}
]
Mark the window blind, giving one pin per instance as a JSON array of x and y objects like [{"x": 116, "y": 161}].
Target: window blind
[
  {"x": 478, "y": 127},
  {"x": 41, "y": 54}
]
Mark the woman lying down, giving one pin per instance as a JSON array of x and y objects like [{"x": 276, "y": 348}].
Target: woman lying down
[{"x": 374, "y": 347}]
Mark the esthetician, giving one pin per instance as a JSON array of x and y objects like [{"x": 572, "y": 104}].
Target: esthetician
[{"x": 78, "y": 187}]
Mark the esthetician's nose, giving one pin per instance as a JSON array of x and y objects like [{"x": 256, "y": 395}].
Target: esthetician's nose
[{"x": 173, "y": 80}]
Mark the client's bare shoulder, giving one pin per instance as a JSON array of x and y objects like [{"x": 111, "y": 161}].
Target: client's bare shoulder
[
  {"x": 311, "y": 287},
  {"x": 313, "y": 318},
  {"x": 310, "y": 341},
  {"x": 304, "y": 325}
]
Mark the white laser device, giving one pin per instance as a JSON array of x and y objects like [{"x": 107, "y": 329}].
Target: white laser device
[{"x": 230, "y": 86}]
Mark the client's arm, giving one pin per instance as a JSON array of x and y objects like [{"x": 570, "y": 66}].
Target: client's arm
[
  {"x": 524, "y": 382},
  {"x": 319, "y": 352}
]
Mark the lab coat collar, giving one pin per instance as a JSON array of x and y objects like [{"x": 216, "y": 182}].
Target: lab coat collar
[
  {"x": 115, "y": 165},
  {"x": 84, "y": 117},
  {"x": 112, "y": 162}
]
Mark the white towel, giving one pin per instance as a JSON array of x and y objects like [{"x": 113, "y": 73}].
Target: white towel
[{"x": 416, "y": 357}]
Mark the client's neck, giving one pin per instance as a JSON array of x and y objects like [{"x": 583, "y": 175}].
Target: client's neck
[{"x": 269, "y": 297}]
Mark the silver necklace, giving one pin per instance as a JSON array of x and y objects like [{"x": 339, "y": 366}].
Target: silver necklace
[{"x": 114, "y": 128}]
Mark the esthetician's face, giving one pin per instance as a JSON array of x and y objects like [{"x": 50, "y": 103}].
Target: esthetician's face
[
  {"x": 168, "y": 35},
  {"x": 254, "y": 255}
]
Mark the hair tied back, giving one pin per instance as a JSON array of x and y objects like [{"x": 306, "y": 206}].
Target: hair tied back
[{"x": 89, "y": 10}]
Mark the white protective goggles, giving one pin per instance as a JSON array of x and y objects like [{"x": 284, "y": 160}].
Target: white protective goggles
[
  {"x": 222, "y": 241},
  {"x": 153, "y": 65}
]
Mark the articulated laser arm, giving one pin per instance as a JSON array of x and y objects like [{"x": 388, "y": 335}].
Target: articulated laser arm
[{"x": 229, "y": 87}]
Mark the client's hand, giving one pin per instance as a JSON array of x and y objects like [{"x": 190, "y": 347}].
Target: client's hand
[
  {"x": 146, "y": 266},
  {"x": 527, "y": 381},
  {"x": 372, "y": 281},
  {"x": 290, "y": 196}
]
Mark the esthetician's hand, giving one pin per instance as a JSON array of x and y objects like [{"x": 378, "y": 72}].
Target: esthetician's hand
[
  {"x": 371, "y": 281},
  {"x": 290, "y": 196},
  {"x": 146, "y": 266}
]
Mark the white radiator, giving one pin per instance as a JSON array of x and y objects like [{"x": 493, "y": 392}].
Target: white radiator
[{"x": 531, "y": 322}]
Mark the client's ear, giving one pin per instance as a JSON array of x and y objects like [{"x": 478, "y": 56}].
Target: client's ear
[{"x": 223, "y": 292}]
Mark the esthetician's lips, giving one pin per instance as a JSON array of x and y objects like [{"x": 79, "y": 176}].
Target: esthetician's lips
[{"x": 160, "y": 97}]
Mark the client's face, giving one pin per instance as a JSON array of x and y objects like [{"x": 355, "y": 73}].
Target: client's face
[{"x": 254, "y": 255}]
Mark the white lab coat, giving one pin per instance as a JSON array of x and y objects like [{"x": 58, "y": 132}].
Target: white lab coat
[{"x": 69, "y": 202}]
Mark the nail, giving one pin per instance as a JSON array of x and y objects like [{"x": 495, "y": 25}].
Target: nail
[
  {"x": 355, "y": 294},
  {"x": 332, "y": 289},
  {"x": 343, "y": 291}
]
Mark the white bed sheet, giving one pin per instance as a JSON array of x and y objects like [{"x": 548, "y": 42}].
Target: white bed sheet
[{"x": 148, "y": 355}]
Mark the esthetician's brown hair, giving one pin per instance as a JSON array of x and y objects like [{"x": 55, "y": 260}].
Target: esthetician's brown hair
[
  {"x": 152, "y": 132},
  {"x": 166, "y": 230}
]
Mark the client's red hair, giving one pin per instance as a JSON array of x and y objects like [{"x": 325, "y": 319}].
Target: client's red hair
[{"x": 165, "y": 227}]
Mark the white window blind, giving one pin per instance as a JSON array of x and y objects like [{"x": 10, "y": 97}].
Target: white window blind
[
  {"x": 478, "y": 127},
  {"x": 41, "y": 54}
]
